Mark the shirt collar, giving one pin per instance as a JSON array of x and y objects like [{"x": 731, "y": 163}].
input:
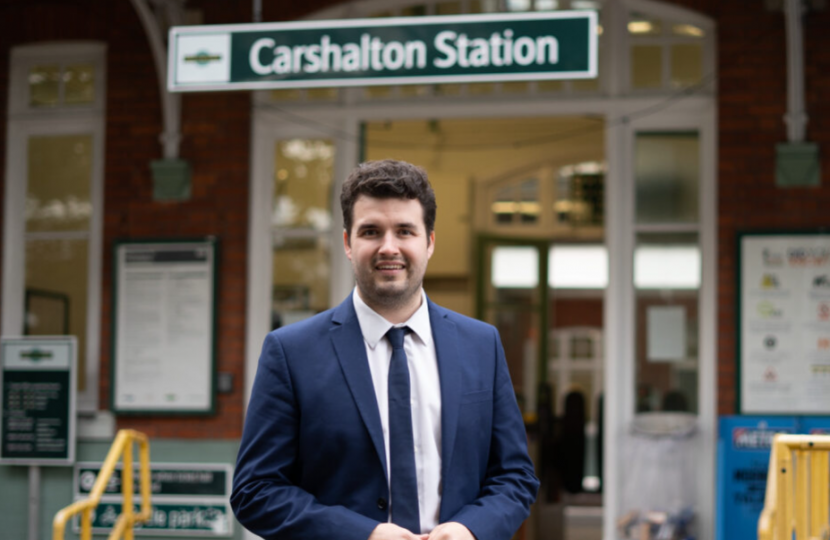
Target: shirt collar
[{"x": 374, "y": 327}]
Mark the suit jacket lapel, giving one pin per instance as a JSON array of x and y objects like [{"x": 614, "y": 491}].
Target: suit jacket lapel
[
  {"x": 347, "y": 339},
  {"x": 445, "y": 334}
]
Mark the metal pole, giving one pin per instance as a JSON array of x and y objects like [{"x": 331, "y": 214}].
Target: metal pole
[
  {"x": 34, "y": 502},
  {"x": 796, "y": 117}
]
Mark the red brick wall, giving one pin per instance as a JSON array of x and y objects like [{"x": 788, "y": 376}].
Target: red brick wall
[
  {"x": 216, "y": 142},
  {"x": 752, "y": 99},
  {"x": 567, "y": 312},
  {"x": 751, "y": 102}
]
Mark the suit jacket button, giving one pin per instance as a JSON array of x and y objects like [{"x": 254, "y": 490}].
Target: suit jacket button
[{"x": 381, "y": 504}]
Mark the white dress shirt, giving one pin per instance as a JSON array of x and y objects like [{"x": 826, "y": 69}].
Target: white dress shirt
[{"x": 425, "y": 397}]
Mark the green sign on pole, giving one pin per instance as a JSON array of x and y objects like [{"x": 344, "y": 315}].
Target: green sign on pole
[
  {"x": 188, "y": 499},
  {"x": 170, "y": 519},
  {"x": 37, "y": 400},
  {"x": 403, "y": 50}
]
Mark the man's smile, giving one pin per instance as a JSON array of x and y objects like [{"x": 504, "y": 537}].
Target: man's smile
[{"x": 390, "y": 267}]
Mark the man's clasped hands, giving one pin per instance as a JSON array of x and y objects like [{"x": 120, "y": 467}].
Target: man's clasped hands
[{"x": 445, "y": 531}]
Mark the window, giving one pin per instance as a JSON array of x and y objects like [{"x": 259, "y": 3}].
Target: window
[
  {"x": 53, "y": 200},
  {"x": 301, "y": 225},
  {"x": 665, "y": 55}
]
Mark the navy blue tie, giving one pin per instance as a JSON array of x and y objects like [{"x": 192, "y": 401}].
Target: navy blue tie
[{"x": 401, "y": 444}]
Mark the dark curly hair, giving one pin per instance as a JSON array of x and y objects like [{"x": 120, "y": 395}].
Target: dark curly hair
[{"x": 388, "y": 179}]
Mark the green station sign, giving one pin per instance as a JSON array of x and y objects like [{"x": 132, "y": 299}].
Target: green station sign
[
  {"x": 170, "y": 519},
  {"x": 182, "y": 480},
  {"x": 403, "y": 50},
  {"x": 188, "y": 499},
  {"x": 37, "y": 400}
]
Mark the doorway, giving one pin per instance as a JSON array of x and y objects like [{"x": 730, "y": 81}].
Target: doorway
[{"x": 520, "y": 245}]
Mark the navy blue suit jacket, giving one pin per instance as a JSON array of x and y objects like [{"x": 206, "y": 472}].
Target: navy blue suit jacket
[{"x": 312, "y": 463}]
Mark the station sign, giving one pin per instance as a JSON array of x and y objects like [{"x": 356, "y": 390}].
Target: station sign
[
  {"x": 187, "y": 499},
  {"x": 37, "y": 400},
  {"x": 385, "y": 51}
]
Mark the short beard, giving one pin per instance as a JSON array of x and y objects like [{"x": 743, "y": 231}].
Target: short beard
[{"x": 386, "y": 299}]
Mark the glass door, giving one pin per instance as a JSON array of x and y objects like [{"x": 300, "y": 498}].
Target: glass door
[{"x": 512, "y": 297}]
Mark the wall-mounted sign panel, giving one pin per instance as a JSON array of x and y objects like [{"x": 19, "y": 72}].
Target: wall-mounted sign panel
[
  {"x": 37, "y": 400},
  {"x": 387, "y": 51},
  {"x": 784, "y": 323},
  {"x": 165, "y": 305}
]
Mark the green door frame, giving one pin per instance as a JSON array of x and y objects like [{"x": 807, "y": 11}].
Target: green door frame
[{"x": 543, "y": 291}]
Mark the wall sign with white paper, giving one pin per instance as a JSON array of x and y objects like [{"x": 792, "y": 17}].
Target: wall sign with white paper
[
  {"x": 784, "y": 323},
  {"x": 165, "y": 329}
]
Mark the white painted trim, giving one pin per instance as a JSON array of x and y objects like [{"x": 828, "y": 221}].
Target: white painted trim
[
  {"x": 670, "y": 12},
  {"x": 342, "y": 277},
  {"x": 259, "y": 249},
  {"x": 171, "y": 110},
  {"x": 705, "y": 124},
  {"x": 796, "y": 117},
  {"x": 15, "y": 237},
  {"x": 708, "y": 322},
  {"x": 23, "y": 58},
  {"x": 381, "y": 22},
  {"x": 23, "y": 122},
  {"x": 618, "y": 319},
  {"x": 590, "y": 73},
  {"x": 329, "y": 114},
  {"x": 14, "y": 232}
]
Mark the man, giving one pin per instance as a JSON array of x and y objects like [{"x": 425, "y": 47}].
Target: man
[{"x": 387, "y": 417}]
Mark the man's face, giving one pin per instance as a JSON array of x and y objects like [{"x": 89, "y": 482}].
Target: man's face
[{"x": 389, "y": 249}]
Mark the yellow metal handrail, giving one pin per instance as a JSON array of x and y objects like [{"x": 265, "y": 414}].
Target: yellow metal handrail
[
  {"x": 798, "y": 489},
  {"x": 122, "y": 446}
]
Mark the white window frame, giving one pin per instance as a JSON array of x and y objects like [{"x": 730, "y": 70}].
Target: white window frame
[
  {"x": 24, "y": 122},
  {"x": 620, "y": 306}
]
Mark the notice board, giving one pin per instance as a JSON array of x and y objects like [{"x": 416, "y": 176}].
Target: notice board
[
  {"x": 37, "y": 400},
  {"x": 784, "y": 323},
  {"x": 164, "y": 327}
]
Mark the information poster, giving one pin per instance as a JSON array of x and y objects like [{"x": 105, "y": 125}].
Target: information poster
[
  {"x": 785, "y": 323},
  {"x": 188, "y": 499},
  {"x": 164, "y": 327},
  {"x": 37, "y": 400}
]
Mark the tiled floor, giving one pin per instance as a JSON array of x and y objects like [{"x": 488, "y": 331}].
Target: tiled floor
[
  {"x": 583, "y": 523},
  {"x": 559, "y": 522}
]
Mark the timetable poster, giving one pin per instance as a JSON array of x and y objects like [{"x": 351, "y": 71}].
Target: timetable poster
[
  {"x": 164, "y": 351},
  {"x": 785, "y": 324}
]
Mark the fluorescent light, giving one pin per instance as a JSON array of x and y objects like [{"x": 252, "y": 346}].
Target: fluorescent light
[
  {"x": 518, "y": 5},
  {"x": 515, "y": 267},
  {"x": 688, "y": 30},
  {"x": 640, "y": 27},
  {"x": 578, "y": 267},
  {"x": 547, "y": 5},
  {"x": 667, "y": 267}
]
